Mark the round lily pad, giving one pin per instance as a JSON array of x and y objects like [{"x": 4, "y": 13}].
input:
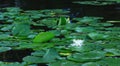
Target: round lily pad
[{"x": 85, "y": 57}]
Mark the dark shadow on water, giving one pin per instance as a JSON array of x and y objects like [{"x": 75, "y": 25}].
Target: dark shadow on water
[{"x": 14, "y": 55}]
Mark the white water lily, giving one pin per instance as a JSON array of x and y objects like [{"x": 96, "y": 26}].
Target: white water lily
[{"x": 77, "y": 43}]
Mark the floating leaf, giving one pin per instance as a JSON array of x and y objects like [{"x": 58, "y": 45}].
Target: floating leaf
[
  {"x": 12, "y": 64},
  {"x": 86, "y": 48},
  {"x": 84, "y": 29},
  {"x": 64, "y": 63},
  {"x": 21, "y": 29},
  {"x": 7, "y": 28},
  {"x": 50, "y": 56},
  {"x": 48, "y": 22},
  {"x": 43, "y": 37},
  {"x": 90, "y": 64},
  {"x": 1, "y": 16},
  {"x": 85, "y": 57},
  {"x": 112, "y": 52},
  {"x": 39, "y": 53},
  {"x": 33, "y": 59},
  {"x": 3, "y": 49},
  {"x": 9, "y": 43},
  {"x": 97, "y": 3},
  {"x": 4, "y": 36},
  {"x": 97, "y": 36},
  {"x": 109, "y": 61}
]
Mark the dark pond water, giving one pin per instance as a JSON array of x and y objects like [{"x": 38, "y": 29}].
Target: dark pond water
[
  {"x": 109, "y": 12},
  {"x": 15, "y": 55}
]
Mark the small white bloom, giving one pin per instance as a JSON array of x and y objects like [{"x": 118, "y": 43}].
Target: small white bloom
[{"x": 77, "y": 43}]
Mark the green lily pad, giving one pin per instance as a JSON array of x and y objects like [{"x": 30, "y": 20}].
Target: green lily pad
[
  {"x": 88, "y": 56},
  {"x": 4, "y": 36},
  {"x": 109, "y": 61},
  {"x": 64, "y": 63},
  {"x": 7, "y": 28},
  {"x": 39, "y": 53},
  {"x": 43, "y": 37},
  {"x": 21, "y": 29},
  {"x": 84, "y": 29},
  {"x": 50, "y": 56},
  {"x": 86, "y": 48},
  {"x": 90, "y": 64},
  {"x": 9, "y": 43},
  {"x": 97, "y": 36},
  {"x": 112, "y": 52},
  {"x": 97, "y": 3},
  {"x": 33, "y": 59},
  {"x": 4, "y": 49},
  {"x": 12, "y": 64}
]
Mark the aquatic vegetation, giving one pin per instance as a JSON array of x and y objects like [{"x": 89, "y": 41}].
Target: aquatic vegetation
[
  {"x": 98, "y": 2},
  {"x": 51, "y": 38}
]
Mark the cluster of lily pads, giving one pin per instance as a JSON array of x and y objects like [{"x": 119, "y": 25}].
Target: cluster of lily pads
[
  {"x": 58, "y": 40},
  {"x": 98, "y": 2}
]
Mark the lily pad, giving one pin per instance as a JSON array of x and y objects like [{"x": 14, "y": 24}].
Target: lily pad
[
  {"x": 12, "y": 64},
  {"x": 90, "y": 64},
  {"x": 33, "y": 59},
  {"x": 50, "y": 56},
  {"x": 4, "y": 49},
  {"x": 64, "y": 63},
  {"x": 109, "y": 61},
  {"x": 84, "y": 29},
  {"x": 43, "y": 37},
  {"x": 21, "y": 29},
  {"x": 112, "y": 52},
  {"x": 86, "y": 57},
  {"x": 97, "y": 36},
  {"x": 4, "y": 36}
]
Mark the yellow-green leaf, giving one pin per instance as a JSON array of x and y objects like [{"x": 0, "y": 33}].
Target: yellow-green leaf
[{"x": 43, "y": 37}]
